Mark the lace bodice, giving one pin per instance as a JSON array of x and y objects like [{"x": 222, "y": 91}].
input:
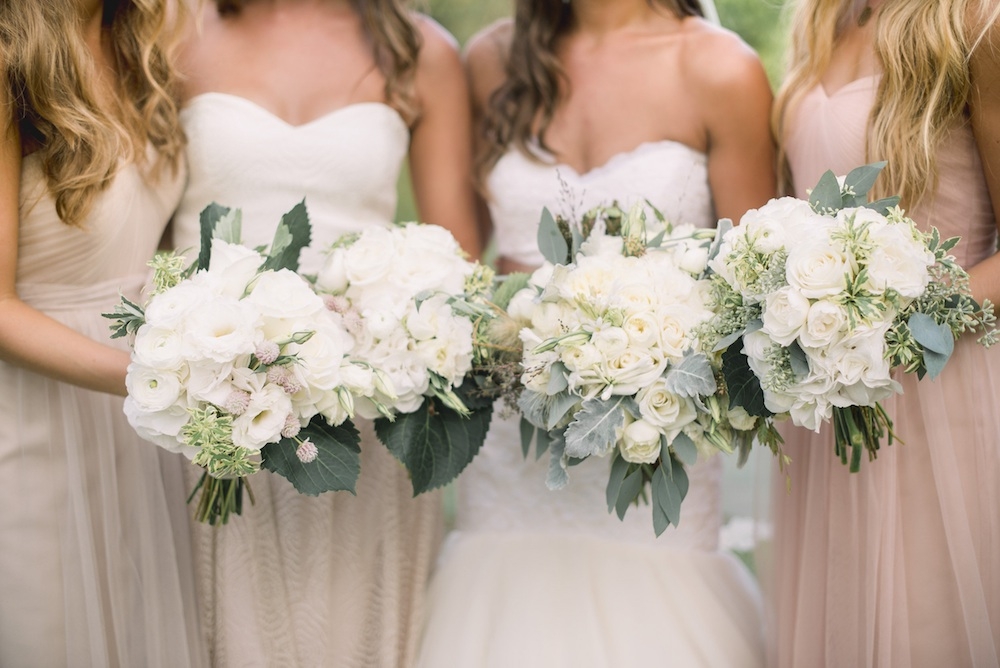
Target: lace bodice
[
  {"x": 345, "y": 165},
  {"x": 502, "y": 491}
]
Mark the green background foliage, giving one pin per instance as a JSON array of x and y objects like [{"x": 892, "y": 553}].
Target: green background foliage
[{"x": 759, "y": 22}]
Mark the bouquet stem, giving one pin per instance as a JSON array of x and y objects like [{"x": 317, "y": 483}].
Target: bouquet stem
[
  {"x": 860, "y": 428},
  {"x": 219, "y": 498}
]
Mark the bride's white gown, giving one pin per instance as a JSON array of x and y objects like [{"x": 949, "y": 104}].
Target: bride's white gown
[
  {"x": 298, "y": 581},
  {"x": 536, "y": 578}
]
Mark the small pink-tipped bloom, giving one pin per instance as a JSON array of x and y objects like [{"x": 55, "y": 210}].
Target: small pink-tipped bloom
[
  {"x": 267, "y": 352},
  {"x": 337, "y": 303},
  {"x": 306, "y": 452},
  {"x": 277, "y": 375},
  {"x": 353, "y": 322},
  {"x": 237, "y": 402},
  {"x": 290, "y": 385},
  {"x": 291, "y": 428}
]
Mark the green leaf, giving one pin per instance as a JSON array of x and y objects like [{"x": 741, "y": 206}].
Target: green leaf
[
  {"x": 692, "y": 377},
  {"x": 558, "y": 380},
  {"x": 936, "y": 339},
  {"x": 507, "y": 287},
  {"x": 229, "y": 228},
  {"x": 551, "y": 242},
  {"x": 744, "y": 387},
  {"x": 527, "y": 436},
  {"x": 825, "y": 197},
  {"x": 934, "y": 363},
  {"x": 657, "y": 241},
  {"x": 542, "y": 441},
  {"x": 577, "y": 237},
  {"x": 534, "y": 408},
  {"x": 861, "y": 180},
  {"x": 293, "y": 234},
  {"x": 798, "y": 359},
  {"x": 883, "y": 205},
  {"x": 558, "y": 407},
  {"x": 558, "y": 476},
  {"x": 434, "y": 442},
  {"x": 208, "y": 219},
  {"x": 628, "y": 492},
  {"x": 669, "y": 491},
  {"x": 723, "y": 226},
  {"x": 594, "y": 428},
  {"x": 685, "y": 449},
  {"x": 337, "y": 463},
  {"x": 619, "y": 469}
]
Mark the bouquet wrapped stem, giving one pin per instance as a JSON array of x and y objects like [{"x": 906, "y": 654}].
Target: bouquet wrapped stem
[
  {"x": 220, "y": 497},
  {"x": 860, "y": 428}
]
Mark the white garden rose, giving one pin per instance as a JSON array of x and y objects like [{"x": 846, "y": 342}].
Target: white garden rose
[
  {"x": 693, "y": 259},
  {"x": 771, "y": 226},
  {"x": 673, "y": 336},
  {"x": 610, "y": 341},
  {"x": 825, "y": 324},
  {"x": 899, "y": 262},
  {"x": 664, "y": 409},
  {"x": 642, "y": 330},
  {"x": 632, "y": 370},
  {"x": 640, "y": 443},
  {"x": 284, "y": 294},
  {"x": 158, "y": 347},
  {"x": 785, "y": 312},
  {"x": 370, "y": 258},
  {"x": 332, "y": 276},
  {"x": 817, "y": 269},
  {"x": 153, "y": 389},
  {"x": 263, "y": 419},
  {"x": 585, "y": 356}
]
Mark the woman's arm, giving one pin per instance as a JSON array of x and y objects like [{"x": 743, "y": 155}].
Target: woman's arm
[
  {"x": 28, "y": 338},
  {"x": 735, "y": 100},
  {"x": 985, "y": 113},
  {"x": 441, "y": 140}
]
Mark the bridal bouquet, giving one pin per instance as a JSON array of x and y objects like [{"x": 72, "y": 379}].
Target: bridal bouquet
[
  {"x": 612, "y": 365},
  {"x": 409, "y": 297},
  {"x": 817, "y": 302},
  {"x": 238, "y": 364}
]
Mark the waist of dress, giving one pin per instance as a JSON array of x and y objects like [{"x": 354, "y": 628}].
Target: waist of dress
[{"x": 52, "y": 297}]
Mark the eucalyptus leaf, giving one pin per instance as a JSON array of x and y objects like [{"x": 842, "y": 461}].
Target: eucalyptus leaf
[
  {"x": 542, "y": 441},
  {"x": 578, "y": 239},
  {"x": 883, "y": 205},
  {"x": 743, "y": 386},
  {"x": 628, "y": 492},
  {"x": 293, "y": 234},
  {"x": 931, "y": 335},
  {"x": 593, "y": 430},
  {"x": 668, "y": 494},
  {"x": 692, "y": 377},
  {"x": 657, "y": 241},
  {"x": 337, "y": 464},
  {"x": 723, "y": 226},
  {"x": 558, "y": 380},
  {"x": 861, "y": 179},
  {"x": 685, "y": 449},
  {"x": 798, "y": 359},
  {"x": 551, "y": 242},
  {"x": 527, "y": 436},
  {"x": 825, "y": 198},
  {"x": 934, "y": 363},
  {"x": 729, "y": 340},
  {"x": 619, "y": 469},
  {"x": 208, "y": 219},
  {"x": 436, "y": 444}
]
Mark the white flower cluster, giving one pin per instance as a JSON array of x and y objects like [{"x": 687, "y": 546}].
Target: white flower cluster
[
  {"x": 612, "y": 325},
  {"x": 393, "y": 287},
  {"x": 829, "y": 289},
  {"x": 257, "y": 345}
]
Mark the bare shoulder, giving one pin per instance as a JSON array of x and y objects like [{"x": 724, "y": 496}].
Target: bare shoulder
[
  {"x": 718, "y": 63},
  {"x": 438, "y": 47},
  {"x": 486, "y": 58}
]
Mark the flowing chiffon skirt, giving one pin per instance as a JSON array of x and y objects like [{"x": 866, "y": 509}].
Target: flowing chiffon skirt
[
  {"x": 95, "y": 563},
  {"x": 333, "y": 580},
  {"x": 897, "y": 565}
]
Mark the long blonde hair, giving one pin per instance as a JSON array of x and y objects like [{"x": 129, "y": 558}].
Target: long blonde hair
[
  {"x": 923, "y": 49},
  {"x": 521, "y": 109},
  {"x": 51, "y": 80},
  {"x": 395, "y": 41}
]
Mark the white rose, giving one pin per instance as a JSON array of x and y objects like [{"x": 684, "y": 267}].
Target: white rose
[
  {"x": 785, "y": 312},
  {"x": 640, "y": 443},
  {"x": 693, "y": 259},
  {"x": 861, "y": 358},
  {"x": 232, "y": 267},
  {"x": 825, "y": 324},
  {"x": 610, "y": 341},
  {"x": 642, "y": 330},
  {"x": 739, "y": 419},
  {"x": 284, "y": 294},
  {"x": 632, "y": 370},
  {"x": 898, "y": 262},
  {"x": 152, "y": 389},
  {"x": 332, "y": 276},
  {"x": 370, "y": 258},
  {"x": 584, "y": 356},
  {"x": 673, "y": 337},
  {"x": 169, "y": 309},
  {"x": 220, "y": 330},
  {"x": 158, "y": 347},
  {"x": 664, "y": 409},
  {"x": 263, "y": 419},
  {"x": 817, "y": 269}
]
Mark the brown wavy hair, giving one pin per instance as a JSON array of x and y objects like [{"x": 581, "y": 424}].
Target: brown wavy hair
[
  {"x": 50, "y": 77},
  {"x": 923, "y": 49},
  {"x": 521, "y": 109},
  {"x": 395, "y": 41}
]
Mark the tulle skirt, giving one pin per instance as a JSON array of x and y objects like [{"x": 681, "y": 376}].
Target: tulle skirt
[
  {"x": 897, "y": 565},
  {"x": 332, "y": 580},
  {"x": 95, "y": 563},
  {"x": 523, "y": 600}
]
